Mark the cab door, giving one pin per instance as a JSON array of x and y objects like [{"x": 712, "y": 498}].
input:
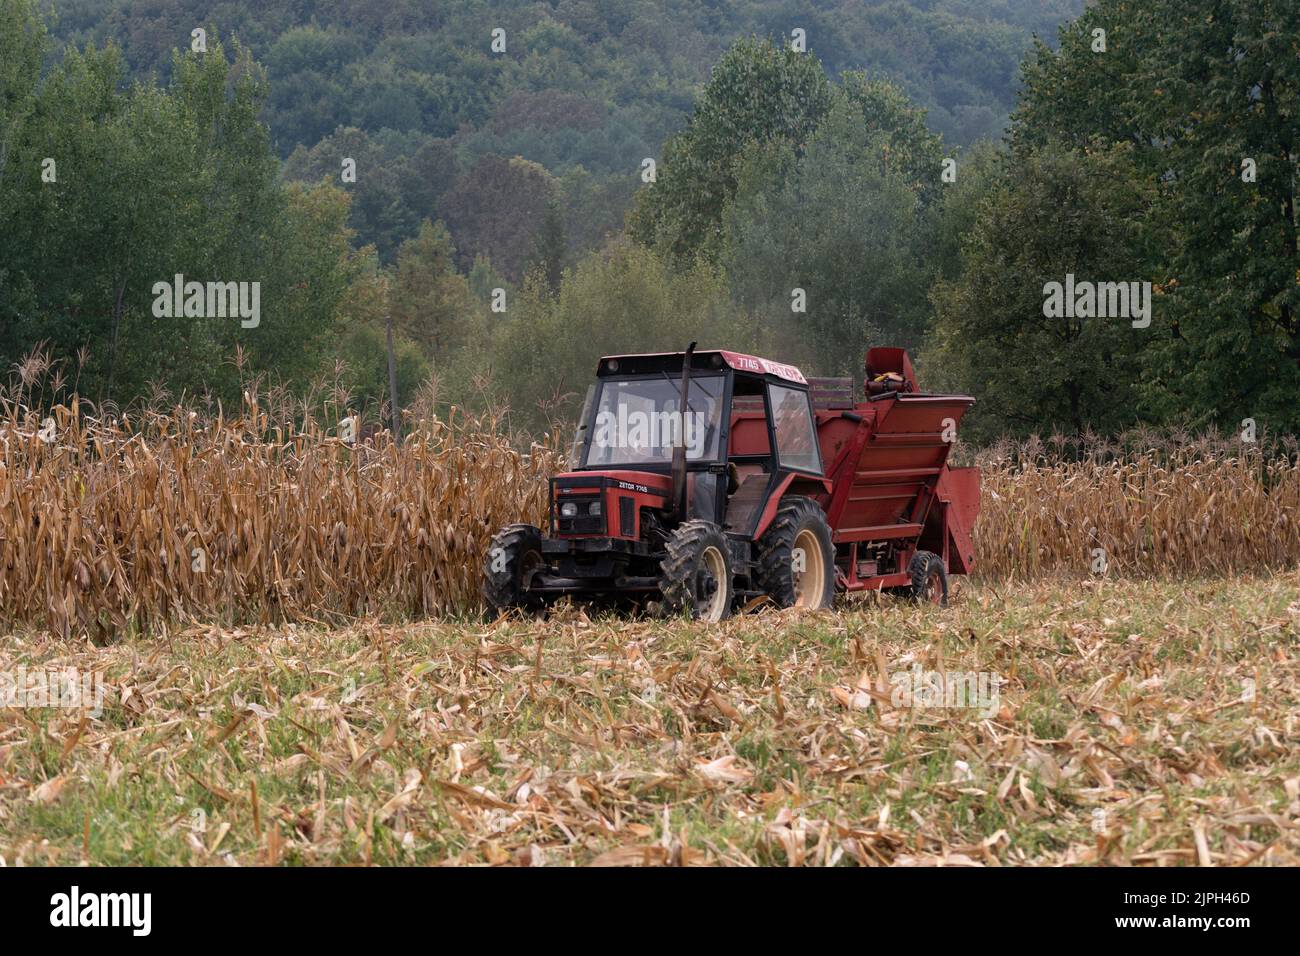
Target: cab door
[
  {"x": 707, "y": 483},
  {"x": 793, "y": 429}
]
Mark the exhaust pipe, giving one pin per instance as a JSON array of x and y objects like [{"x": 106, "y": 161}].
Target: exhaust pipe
[{"x": 679, "y": 453}]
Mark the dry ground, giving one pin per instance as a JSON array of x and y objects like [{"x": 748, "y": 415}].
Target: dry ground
[{"x": 1125, "y": 731}]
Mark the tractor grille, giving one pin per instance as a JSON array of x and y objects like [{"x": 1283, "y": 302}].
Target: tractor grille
[{"x": 583, "y": 522}]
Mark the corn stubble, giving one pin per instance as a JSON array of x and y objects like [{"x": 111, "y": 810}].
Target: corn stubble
[
  {"x": 1146, "y": 722},
  {"x": 116, "y": 523}
]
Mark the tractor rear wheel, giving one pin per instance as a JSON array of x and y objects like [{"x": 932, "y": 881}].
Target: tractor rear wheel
[
  {"x": 929, "y": 578},
  {"x": 796, "y": 559},
  {"x": 696, "y": 572},
  {"x": 513, "y": 558}
]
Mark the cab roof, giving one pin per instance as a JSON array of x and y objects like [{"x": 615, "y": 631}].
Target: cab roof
[{"x": 702, "y": 360}]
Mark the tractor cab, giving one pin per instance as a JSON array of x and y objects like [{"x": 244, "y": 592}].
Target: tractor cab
[{"x": 737, "y": 410}]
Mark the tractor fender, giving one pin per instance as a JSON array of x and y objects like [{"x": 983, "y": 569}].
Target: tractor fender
[{"x": 790, "y": 484}]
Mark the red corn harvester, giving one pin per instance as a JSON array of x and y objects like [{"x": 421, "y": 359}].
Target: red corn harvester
[{"x": 704, "y": 479}]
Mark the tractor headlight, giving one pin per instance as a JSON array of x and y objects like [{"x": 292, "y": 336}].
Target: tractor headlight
[
  {"x": 569, "y": 509},
  {"x": 594, "y": 509}
]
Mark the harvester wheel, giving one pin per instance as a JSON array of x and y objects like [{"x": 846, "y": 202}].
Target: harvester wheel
[
  {"x": 929, "y": 578},
  {"x": 696, "y": 572},
  {"x": 512, "y": 559},
  {"x": 796, "y": 560}
]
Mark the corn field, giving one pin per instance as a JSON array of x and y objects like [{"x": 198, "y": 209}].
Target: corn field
[
  {"x": 1159, "y": 514},
  {"x": 110, "y": 523},
  {"x": 114, "y": 523}
]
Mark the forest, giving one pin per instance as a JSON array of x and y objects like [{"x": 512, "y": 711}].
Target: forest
[{"x": 512, "y": 190}]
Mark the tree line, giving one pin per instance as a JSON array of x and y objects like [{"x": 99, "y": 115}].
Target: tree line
[{"x": 802, "y": 212}]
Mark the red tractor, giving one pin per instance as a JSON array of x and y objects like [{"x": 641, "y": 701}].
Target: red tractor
[{"x": 704, "y": 479}]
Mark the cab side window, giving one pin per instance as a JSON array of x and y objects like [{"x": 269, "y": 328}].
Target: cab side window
[{"x": 796, "y": 436}]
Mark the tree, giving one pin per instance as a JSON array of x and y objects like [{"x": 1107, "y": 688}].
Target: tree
[
  {"x": 308, "y": 267},
  {"x": 497, "y": 209},
  {"x": 145, "y": 183},
  {"x": 484, "y": 280},
  {"x": 365, "y": 317},
  {"x": 907, "y": 147},
  {"x": 431, "y": 303},
  {"x": 623, "y": 299},
  {"x": 591, "y": 83},
  {"x": 758, "y": 93},
  {"x": 389, "y": 196},
  {"x": 23, "y": 43},
  {"x": 1071, "y": 212},
  {"x": 1198, "y": 88},
  {"x": 1221, "y": 92},
  {"x": 551, "y": 249},
  {"x": 842, "y": 228}
]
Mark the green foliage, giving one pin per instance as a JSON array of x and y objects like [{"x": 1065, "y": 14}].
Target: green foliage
[
  {"x": 960, "y": 205},
  {"x": 585, "y": 88},
  {"x": 309, "y": 267},
  {"x": 383, "y": 199},
  {"x": 844, "y": 228},
  {"x": 364, "y": 314},
  {"x": 758, "y": 94},
  {"x": 880, "y": 112},
  {"x": 109, "y": 189},
  {"x": 551, "y": 249},
  {"x": 364, "y": 350},
  {"x": 821, "y": 171},
  {"x": 499, "y": 208},
  {"x": 483, "y": 279},
  {"x": 430, "y": 301},
  {"x": 793, "y": 183},
  {"x": 1071, "y": 212},
  {"x": 1197, "y": 87}
]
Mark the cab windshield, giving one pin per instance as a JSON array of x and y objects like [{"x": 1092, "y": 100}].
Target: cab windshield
[{"x": 637, "y": 421}]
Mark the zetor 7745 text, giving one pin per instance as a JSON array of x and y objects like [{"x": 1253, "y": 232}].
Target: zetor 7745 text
[{"x": 704, "y": 479}]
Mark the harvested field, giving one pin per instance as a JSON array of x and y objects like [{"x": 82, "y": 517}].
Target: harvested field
[{"x": 1151, "y": 722}]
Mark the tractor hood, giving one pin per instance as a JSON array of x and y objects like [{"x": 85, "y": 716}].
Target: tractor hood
[{"x": 608, "y": 503}]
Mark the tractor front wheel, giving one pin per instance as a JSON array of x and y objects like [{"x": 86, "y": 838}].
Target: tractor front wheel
[
  {"x": 513, "y": 558},
  {"x": 929, "y": 578},
  {"x": 796, "y": 559},
  {"x": 696, "y": 572}
]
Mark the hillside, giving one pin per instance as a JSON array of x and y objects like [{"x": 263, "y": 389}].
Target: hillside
[{"x": 584, "y": 88}]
